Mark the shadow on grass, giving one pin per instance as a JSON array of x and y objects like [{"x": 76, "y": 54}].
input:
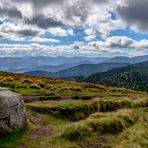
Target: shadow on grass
[{"x": 13, "y": 140}]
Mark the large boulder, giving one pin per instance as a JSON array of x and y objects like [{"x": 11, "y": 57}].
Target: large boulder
[{"x": 12, "y": 111}]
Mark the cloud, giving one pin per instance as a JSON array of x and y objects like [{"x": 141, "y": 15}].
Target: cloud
[
  {"x": 94, "y": 14},
  {"x": 58, "y": 31},
  {"x": 108, "y": 47},
  {"x": 31, "y": 20},
  {"x": 119, "y": 42},
  {"x": 135, "y": 14},
  {"x": 44, "y": 40},
  {"x": 42, "y": 21},
  {"x": 11, "y": 12},
  {"x": 89, "y": 37},
  {"x": 10, "y": 31}
]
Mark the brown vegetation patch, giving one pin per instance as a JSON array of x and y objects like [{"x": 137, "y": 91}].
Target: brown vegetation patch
[
  {"x": 41, "y": 132},
  {"x": 34, "y": 118}
]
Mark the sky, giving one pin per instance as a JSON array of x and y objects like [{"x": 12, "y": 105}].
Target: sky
[{"x": 89, "y": 28}]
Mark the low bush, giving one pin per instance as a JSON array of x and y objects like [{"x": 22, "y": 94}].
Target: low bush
[{"x": 35, "y": 86}]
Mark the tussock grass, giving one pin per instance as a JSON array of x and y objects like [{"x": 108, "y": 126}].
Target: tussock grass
[
  {"x": 80, "y": 109},
  {"x": 101, "y": 123},
  {"x": 136, "y": 137},
  {"x": 29, "y": 85},
  {"x": 72, "y": 110}
]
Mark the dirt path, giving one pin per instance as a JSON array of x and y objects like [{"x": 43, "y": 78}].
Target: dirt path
[{"x": 29, "y": 99}]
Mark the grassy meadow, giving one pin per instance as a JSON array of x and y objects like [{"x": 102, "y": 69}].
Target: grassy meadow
[{"x": 106, "y": 117}]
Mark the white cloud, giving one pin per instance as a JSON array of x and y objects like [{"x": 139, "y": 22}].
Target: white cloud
[
  {"x": 58, "y": 31},
  {"x": 43, "y": 40},
  {"x": 112, "y": 46},
  {"x": 22, "y": 20},
  {"x": 16, "y": 32},
  {"x": 90, "y": 37}
]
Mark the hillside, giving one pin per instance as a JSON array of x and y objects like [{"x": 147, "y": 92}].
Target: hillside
[
  {"x": 132, "y": 77},
  {"x": 79, "y": 115},
  {"x": 29, "y": 85},
  {"x": 83, "y": 69}
]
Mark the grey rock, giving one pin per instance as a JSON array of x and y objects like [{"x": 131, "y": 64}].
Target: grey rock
[
  {"x": 3, "y": 89},
  {"x": 12, "y": 111}
]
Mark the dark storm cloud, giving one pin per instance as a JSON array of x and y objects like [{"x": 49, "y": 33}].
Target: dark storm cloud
[
  {"x": 27, "y": 32},
  {"x": 135, "y": 13},
  {"x": 71, "y": 12},
  {"x": 11, "y": 12},
  {"x": 79, "y": 10},
  {"x": 100, "y": 1},
  {"x": 41, "y": 3},
  {"x": 43, "y": 22}
]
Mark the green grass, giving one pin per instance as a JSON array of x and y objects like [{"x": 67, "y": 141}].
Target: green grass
[
  {"x": 26, "y": 91},
  {"x": 117, "y": 118},
  {"x": 136, "y": 136},
  {"x": 29, "y": 85},
  {"x": 80, "y": 109},
  {"x": 101, "y": 123},
  {"x": 13, "y": 140},
  {"x": 72, "y": 110}
]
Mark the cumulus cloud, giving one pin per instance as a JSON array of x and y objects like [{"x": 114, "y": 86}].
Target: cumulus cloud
[
  {"x": 43, "y": 40},
  {"x": 30, "y": 20},
  {"x": 58, "y": 31},
  {"x": 119, "y": 42},
  {"x": 135, "y": 14},
  {"x": 109, "y": 47},
  {"x": 94, "y": 14},
  {"x": 9, "y": 31},
  {"x": 90, "y": 37},
  {"x": 11, "y": 12}
]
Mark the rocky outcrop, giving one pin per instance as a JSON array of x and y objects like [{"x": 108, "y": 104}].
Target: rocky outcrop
[{"x": 12, "y": 111}]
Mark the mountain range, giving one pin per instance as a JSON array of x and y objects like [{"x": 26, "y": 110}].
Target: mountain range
[
  {"x": 56, "y": 64},
  {"x": 133, "y": 77},
  {"x": 128, "y": 72},
  {"x": 83, "y": 70}
]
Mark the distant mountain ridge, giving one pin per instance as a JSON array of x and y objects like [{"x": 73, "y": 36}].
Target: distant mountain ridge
[
  {"x": 133, "y": 76},
  {"x": 132, "y": 60},
  {"x": 54, "y": 64},
  {"x": 83, "y": 69},
  {"x": 23, "y": 64}
]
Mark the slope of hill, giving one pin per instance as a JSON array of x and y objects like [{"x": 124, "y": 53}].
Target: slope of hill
[
  {"x": 109, "y": 117},
  {"x": 84, "y": 70},
  {"x": 133, "y": 77},
  {"x": 29, "y": 85}
]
